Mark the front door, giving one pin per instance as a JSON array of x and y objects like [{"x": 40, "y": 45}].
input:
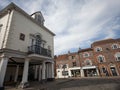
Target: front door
[{"x": 113, "y": 70}]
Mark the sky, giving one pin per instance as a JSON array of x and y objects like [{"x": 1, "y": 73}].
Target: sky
[{"x": 76, "y": 23}]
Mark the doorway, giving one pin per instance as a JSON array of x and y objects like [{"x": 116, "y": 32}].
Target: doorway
[{"x": 113, "y": 70}]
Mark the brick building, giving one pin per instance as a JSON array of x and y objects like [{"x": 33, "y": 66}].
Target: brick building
[{"x": 102, "y": 59}]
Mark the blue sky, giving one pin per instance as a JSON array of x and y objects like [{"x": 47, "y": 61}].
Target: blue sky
[{"x": 76, "y": 23}]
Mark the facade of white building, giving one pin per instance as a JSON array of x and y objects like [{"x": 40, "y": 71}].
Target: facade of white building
[{"x": 26, "y": 47}]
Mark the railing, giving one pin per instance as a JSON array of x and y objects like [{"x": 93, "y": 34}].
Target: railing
[{"x": 35, "y": 49}]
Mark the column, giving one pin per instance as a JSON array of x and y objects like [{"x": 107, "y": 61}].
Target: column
[
  {"x": 16, "y": 73},
  {"x": 36, "y": 72},
  {"x": 40, "y": 73},
  {"x": 24, "y": 82},
  {"x": 97, "y": 71},
  {"x": 43, "y": 71},
  {"x": 52, "y": 68},
  {"x": 69, "y": 71},
  {"x": 82, "y": 73},
  {"x": 3, "y": 67}
]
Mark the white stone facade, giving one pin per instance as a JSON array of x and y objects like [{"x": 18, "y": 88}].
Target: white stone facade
[{"x": 26, "y": 47}]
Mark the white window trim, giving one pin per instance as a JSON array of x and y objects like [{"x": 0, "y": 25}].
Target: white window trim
[
  {"x": 98, "y": 48},
  {"x": 86, "y": 53},
  {"x": 101, "y": 56},
  {"x": 116, "y": 45},
  {"x": 116, "y": 58},
  {"x": 88, "y": 60}
]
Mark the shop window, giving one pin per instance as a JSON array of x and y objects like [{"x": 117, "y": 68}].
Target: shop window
[{"x": 65, "y": 73}]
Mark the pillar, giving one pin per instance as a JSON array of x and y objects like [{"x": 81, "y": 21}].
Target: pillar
[
  {"x": 69, "y": 71},
  {"x": 43, "y": 71},
  {"x": 3, "y": 67},
  {"x": 82, "y": 73},
  {"x": 97, "y": 71},
  {"x": 52, "y": 68},
  {"x": 16, "y": 73},
  {"x": 24, "y": 82}
]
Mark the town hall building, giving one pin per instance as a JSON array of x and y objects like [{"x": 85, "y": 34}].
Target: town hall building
[{"x": 26, "y": 47}]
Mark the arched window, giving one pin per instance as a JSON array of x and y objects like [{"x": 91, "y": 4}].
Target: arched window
[
  {"x": 101, "y": 58},
  {"x": 98, "y": 49},
  {"x": 115, "y": 46},
  {"x": 117, "y": 56},
  {"x": 88, "y": 62},
  {"x": 86, "y": 54}
]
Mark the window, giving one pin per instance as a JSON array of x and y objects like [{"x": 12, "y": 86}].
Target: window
[
  {"x": 86, "y": 54},
  {"x": 103, "y": 70},
  {"x": 64, "y": 66},
  {"x": 65, "y": 73},
  {"x": 38, "y": 40},
  {"x": 98, "y": 49},
  {"x": 74, "y": 64},
  {"x": 22, "y": 36},
  {"x": 0, "y": 27},
  {"x": 115, "y": 46},
  {"x": 88, "y": 62},
  {"x": 73, "y": 57},
  {"x": 49, "y": 47},
  {"x": 117, "y": 56},
  {"x": 101, "y": 58}
]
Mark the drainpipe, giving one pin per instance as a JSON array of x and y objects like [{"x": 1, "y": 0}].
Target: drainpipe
[{"x": 3, "y": 42}]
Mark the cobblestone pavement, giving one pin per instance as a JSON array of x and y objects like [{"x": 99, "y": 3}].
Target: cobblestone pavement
[{"x": 106, "y": 83}]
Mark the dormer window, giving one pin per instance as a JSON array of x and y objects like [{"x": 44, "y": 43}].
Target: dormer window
[
  {"x": 98, "y": 49},
  {"x": 115, "y": 46}
]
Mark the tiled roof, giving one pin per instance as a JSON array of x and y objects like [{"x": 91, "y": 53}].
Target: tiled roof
[
  {"x": 84, "y": 50},
  {"x": 62, "y": 57},
  {"x": 106, "y": 41}
]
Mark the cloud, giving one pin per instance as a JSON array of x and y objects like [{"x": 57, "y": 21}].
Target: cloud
[{"x": 76, "y": 23}]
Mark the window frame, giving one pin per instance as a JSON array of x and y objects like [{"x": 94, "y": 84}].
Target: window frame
[
  {"x": 86, "y": 53},
  {"x": 116, "y": 57},
  {"x": 115, "y": 44},
  {"x": 98, "y": 49},
  {"x": 99, "y": 57},
  {"x": 88, "y": 61},
  {"x": 74, "y": 64},
  {"x": 22, "y": 37}
]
